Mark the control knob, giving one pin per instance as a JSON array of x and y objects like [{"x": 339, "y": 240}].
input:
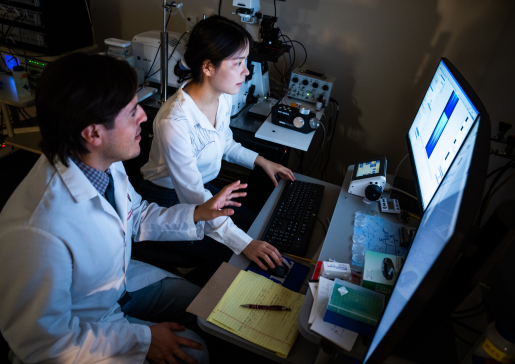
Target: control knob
[
  {"x": 305, "y": 82},
  {"x": 295, "y": 79},
  {"x": 325, "y": 87},
  {"x": 315, "y": 85},
  {"x": 298, "y": 122}
]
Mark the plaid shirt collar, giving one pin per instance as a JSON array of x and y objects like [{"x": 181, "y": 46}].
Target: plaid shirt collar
[{"x": 98, "y": 179}]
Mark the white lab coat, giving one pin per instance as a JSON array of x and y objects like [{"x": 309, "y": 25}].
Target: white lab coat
[{"x": 65, "y": 261}]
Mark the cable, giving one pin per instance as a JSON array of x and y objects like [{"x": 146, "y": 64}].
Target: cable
[
  {"x": 498, "y": 188},
  {"x": 220, "y": 7},
  {"x": 471, "y": 329},
  {"x": 305, "y": 52},
  {"x": 484, "y": 203},
  {"x": 498, "y": 169},
  {"x": 401, "y": 191},
  {"x": 323, "y": 140},
  {"x": 158, "y": 49},
  {"x": 398, "y": 165},
  {"x": 90, "y": 22},
  {"x": 334, "y": 132},
  {"x": 289, "y": 55},
  {"x": 463, "y": 340},
  {"x": 323, "y": 226},
  {"x": 275, "y": 10},
  {"x": 188, "y": 22},
  {"x": 470, "y": 309}
]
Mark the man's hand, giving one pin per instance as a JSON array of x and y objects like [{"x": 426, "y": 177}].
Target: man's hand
[
  {"x": 211, "y": 209},
  {"x": 272, "y": 169},
  {"x": 165, "y": 344},
  {"x": 258, "y": 248}
]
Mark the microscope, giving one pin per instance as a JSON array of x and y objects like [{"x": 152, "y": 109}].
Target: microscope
[{"x": 267, "y": 48}]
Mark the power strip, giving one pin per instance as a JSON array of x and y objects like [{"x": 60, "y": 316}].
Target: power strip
[{"x": 5, "y": 150}]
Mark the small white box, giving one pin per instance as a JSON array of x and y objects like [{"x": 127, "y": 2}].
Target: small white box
[{"x": 332, "y": 270}]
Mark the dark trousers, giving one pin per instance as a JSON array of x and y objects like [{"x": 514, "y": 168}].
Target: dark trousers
[{"x": 206, "y": 249}]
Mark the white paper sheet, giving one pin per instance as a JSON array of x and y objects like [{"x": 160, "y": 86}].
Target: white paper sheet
[
  {"x": 336, "y": 334},
  {"x": 314, "y": 290}
]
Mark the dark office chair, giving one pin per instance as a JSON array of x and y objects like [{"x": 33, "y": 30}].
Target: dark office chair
[{"x": 163, "y": 257}]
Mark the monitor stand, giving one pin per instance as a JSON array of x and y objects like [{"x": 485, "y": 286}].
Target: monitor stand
[{"x": 406, "y": 202}]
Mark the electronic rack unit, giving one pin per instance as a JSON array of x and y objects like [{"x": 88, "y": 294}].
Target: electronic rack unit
[
  {"x": 310, "y": 86},
  {"x": 48, "y": 27}
]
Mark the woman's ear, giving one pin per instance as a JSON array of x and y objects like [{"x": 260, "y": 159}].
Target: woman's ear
[{"x": 208, "y": 68}]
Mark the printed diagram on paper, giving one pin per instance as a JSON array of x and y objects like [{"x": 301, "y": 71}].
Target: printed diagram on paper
[{"x": 380, "y": 236}]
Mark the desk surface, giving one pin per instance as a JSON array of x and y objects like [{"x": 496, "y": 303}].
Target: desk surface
[
  {"x": 303, "y": 350},
  {"x": 264, "y": 129},
  {"x": 290, "y": 138},
  {"x": 339, "y": 206}
]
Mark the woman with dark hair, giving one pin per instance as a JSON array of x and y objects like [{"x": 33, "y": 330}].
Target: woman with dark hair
[{"x": 192, "y": 135}]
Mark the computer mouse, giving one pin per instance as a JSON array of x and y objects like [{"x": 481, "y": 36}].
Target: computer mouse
[
  {"x": 278, "y": 271},
  {"x": 387, "y": 268}
]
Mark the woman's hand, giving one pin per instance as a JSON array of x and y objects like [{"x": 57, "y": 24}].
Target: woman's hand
[
  {"x": 272, "y": 169},
  {"x": 212, "y": 208},
  {"x": 261, "y": 249}
]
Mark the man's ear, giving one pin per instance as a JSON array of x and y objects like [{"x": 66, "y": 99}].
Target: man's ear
[{"x": 92, "y": 134}]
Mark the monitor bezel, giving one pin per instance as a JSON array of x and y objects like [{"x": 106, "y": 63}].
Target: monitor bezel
[
  {"x": 474, "y": 99},
  {"x": 464, "y": 231}
]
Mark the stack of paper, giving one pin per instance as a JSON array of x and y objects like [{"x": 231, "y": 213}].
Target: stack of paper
[
  {"x": 338, "y": 335},
  {"x": 273, "y": 330}
]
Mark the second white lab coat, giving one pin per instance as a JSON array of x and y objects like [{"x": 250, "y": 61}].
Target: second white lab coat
[{"x": 65, "y": 260}]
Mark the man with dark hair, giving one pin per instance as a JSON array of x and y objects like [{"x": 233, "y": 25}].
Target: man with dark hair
[{"x": 70, "y": 291}]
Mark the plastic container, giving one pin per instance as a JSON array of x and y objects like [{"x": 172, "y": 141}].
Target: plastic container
[
  {"x": 21, "y": 81},
  {"x": 498, "y": 342},
  {"x": 360, "y": 219}
]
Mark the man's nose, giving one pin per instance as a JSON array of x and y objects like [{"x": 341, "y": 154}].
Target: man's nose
[{"x": 143, "y": 115}]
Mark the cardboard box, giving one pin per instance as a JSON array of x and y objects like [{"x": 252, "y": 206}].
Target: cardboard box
[{"x": 380, "y": 271}]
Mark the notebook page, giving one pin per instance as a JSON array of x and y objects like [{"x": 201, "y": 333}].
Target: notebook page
[{"x": 274, "y": 330}]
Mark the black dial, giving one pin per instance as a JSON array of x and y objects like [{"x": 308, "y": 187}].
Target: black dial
[
  {"x": 295, "y": 79},
  {"x": 325, "y": 87},
  {"x": 373, "y": 192},
  {"x": 315, "y": 85},
  {"x": 305, "y": 82}
]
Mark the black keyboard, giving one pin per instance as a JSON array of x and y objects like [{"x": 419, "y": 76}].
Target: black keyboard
[{"x": 291, "y": 225}]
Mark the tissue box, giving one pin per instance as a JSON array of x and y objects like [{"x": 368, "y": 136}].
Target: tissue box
[
  {"x": 332, "y": 270},
  {"x": 380, "y": 271}
]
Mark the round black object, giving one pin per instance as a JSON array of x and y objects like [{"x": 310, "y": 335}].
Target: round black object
[
  {"x": 387, "y": 268},
  {"x": 315, "y": 85},
  {"x": 305, "y": 82},
  {"x": 325, "y": 87},
  {"x": 373, "y": 192},
  {"x": 295, "y": 79}
]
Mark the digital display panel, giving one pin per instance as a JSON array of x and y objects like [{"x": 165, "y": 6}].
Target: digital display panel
[{"x": 368, "y": 168}]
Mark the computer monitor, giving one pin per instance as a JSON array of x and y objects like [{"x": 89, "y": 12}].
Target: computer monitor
[
  {"x": 441, "y": 237},
  {"x": 442, "y": 123}
]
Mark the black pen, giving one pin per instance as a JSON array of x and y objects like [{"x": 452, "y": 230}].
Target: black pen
[{"x": 263, "y": 307}]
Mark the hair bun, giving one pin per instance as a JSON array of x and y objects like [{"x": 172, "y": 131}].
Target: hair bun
[{"x": 181, "y": 72}]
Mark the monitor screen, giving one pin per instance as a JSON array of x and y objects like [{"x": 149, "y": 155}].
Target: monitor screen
[
  {"x": 441, "y": 125},
  {"x": 435, "y": 230}
]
